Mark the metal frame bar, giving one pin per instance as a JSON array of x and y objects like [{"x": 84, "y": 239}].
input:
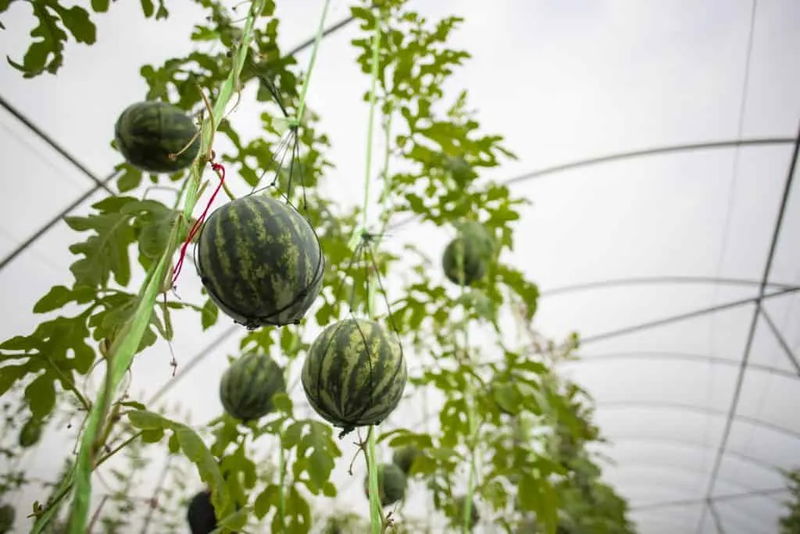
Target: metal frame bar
[
  {"x": 780, "y": 339},
  {"x": 751, "y": 333},
  {"x": 683, "y": 316},
  {"x": 703, "y": 410},
  {"x": 648, "y": 152},
  {"x": 656, "y": 280},
  {"x": 719, "y": 498},
  {"x": 675, "y": 442},
  {"x": 671, "y": 356}
]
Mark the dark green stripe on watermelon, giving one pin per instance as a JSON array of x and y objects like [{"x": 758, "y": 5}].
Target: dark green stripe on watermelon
[
  {"x": 151, "y": 134},
  {"x": 260, "y": 261},
  {"x": 248, "y": 385},
  {"x": 354, "y": 373}
]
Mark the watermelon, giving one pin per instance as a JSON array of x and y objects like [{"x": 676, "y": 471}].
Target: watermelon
[
  {"x": 151, "y": 134},
  {"x": 391, "y": 484},
  {"x": 200, "y": 515},
  {"x": 354, "y": 374},
  {"x": 467, "y": 256},
  {"x": 404, "y": 457},
  {"x": 248, "y": 385},
  {"x": 30, "y": 433},
  {"x": 7, "y": 515},
  {"x": 260, "y": 261}
]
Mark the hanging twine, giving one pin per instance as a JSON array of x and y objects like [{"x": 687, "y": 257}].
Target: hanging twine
[{"x": 176, "y": 271}]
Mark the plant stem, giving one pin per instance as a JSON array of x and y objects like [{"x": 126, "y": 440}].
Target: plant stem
[
  {"x": 126, "y": 345},
  {"x": 376, "y": 46},
  {"x": 375, "y": 514},
  {"x": 317, "y": 39},
  {"x": 282, "y": 481}
]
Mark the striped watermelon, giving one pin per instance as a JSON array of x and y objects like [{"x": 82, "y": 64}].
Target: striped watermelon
[
  {"x": 467, "y": 256},
  {"x": 260, "y": 261},
  {"x": 354, "y": 374},
  {"x": 391, "y": 484},
  {"x": 150, "y": 135},
  {"x": 248, "y": 385}
]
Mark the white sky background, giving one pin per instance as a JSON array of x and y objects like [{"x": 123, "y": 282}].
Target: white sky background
[{"x": 561, "y": 81}]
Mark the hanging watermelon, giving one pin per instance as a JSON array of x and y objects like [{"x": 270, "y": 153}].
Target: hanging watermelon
[
  {"x": 391, "y": 484},
  {"x": 354, "y": 374},
  {"x": 467, "y": 256},
  {"x": 248, "y": 385},
  {"x": 157, "y": 137},
  {"x": 200, "y": 514},
  {"x": 260, "y": 261}
]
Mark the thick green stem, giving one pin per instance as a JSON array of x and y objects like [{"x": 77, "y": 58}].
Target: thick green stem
[
  {"x": 375, "y": 514},
  {"x": 127, "y": 343}
]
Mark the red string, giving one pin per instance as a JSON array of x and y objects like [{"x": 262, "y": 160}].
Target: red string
[{"x": 176, "y": 271}]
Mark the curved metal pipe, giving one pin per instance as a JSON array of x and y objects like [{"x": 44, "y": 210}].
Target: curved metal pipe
[{"x": 683, "y": 356}]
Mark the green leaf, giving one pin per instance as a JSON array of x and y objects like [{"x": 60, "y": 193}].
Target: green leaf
[
  {"x": 130, "y": 178},
  {"x": 315, "y": 452},
  {"x": 267, "y": 500},
  {"x": 41, "y": 395},
  {"x": 58, "y": 296},
  {"x": 101, "y": 6},
  {"x": 76, "y": 19},
  {"x": 194, "y": 449},
  {"x": 209, "y": 314},
  {"x": 147, "y": 8}
]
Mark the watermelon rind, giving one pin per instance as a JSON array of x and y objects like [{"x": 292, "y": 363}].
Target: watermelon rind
[
  {"x": 354, "y": 373},
  {"x": 260, "y": 261},
  {"x": 248, "y": 386},
  {"x": 157, "y": 137}
]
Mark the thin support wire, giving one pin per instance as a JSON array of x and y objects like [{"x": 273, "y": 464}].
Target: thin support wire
[{"x": 780, "y": 339}]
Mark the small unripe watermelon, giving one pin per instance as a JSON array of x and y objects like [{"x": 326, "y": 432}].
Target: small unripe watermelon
[
  {"x": 467, "y": 256},
  {"x": 391, "y": 484},
  {"x": 153, "y": 135},
  {"x": 354, "y": 373},
  {"x": 461, "y": 262},
  {"x": 248, "y": 385},
  {"x": 7, "y": 515},
  {"x": 201, "y": 516},
  {"x": 260, "y": 261},
  {"x": 404, "y": 457},
  {"x": 30, "y": 432}
]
